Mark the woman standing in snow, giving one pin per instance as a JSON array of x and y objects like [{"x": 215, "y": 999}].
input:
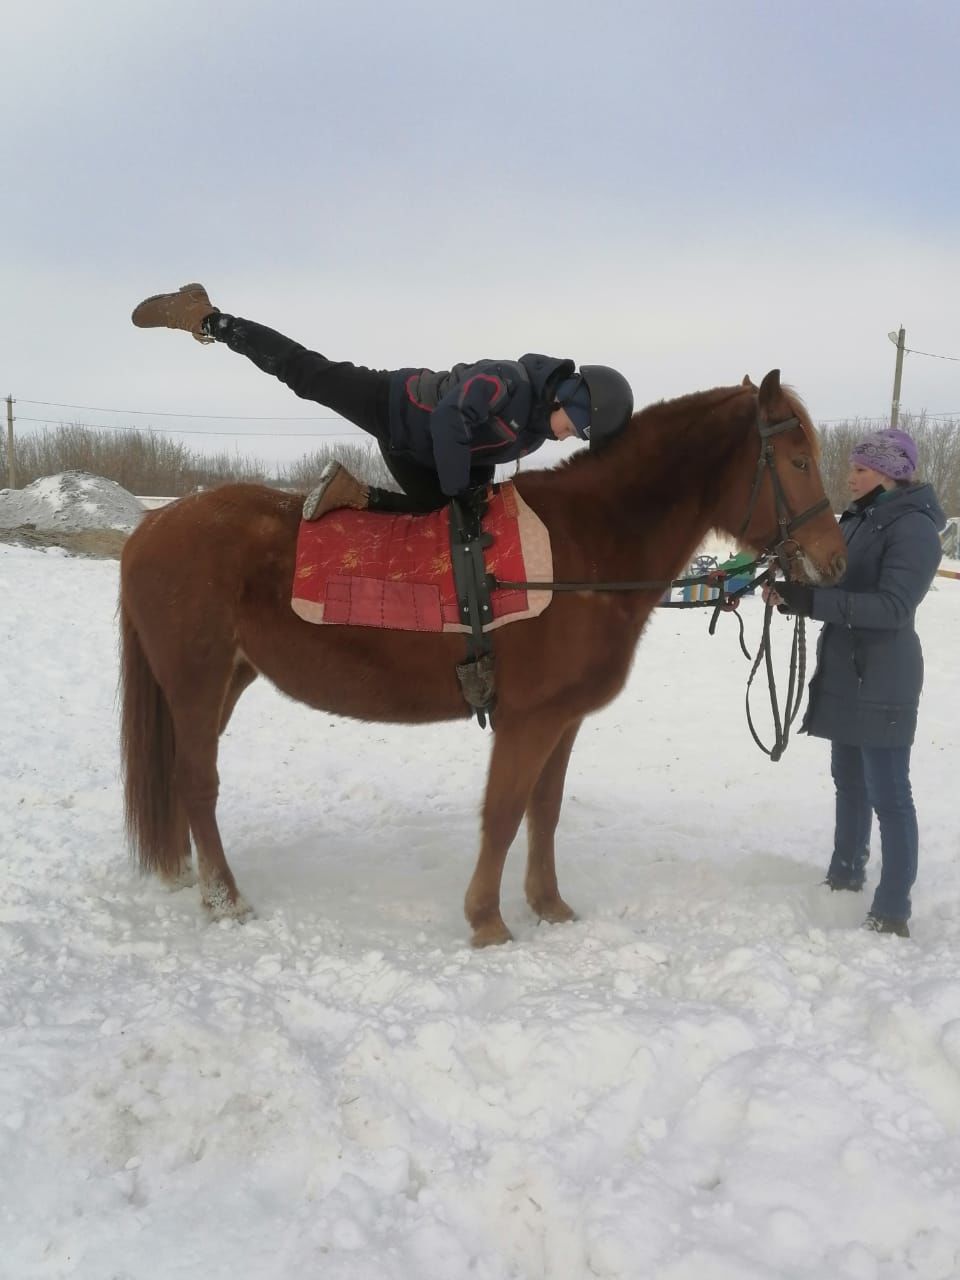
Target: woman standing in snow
[{"x": 866, "y": 687}]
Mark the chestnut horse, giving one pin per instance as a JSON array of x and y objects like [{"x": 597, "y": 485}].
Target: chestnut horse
[{"x": 205, "y": 608}]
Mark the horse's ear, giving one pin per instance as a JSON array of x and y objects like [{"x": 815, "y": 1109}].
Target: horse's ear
[
  {"x": 768, "y": 395},
  {"x": 748, "y": 382},
  {"x": 770, "y": 386}
]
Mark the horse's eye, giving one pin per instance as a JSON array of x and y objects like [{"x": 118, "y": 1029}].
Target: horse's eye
[{"x": 801, "y": 464}]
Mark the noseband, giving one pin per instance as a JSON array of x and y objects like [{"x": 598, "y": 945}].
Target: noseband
[{"x": 786, "y": 523}]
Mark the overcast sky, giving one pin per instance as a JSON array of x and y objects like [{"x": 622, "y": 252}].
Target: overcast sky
[{"x": 689, "y": 190}]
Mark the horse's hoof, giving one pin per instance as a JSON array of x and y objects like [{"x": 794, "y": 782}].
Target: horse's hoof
[
  {"x": 222, "y": 906},
  {"x": 556, "y": 912},
  {"x": 491, "y": 935}
]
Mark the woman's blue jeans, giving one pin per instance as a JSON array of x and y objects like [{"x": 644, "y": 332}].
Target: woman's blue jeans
[{"x": 875, "y": 780}]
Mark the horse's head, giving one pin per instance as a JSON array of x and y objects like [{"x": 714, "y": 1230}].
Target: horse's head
[{"x": 787, "y": 512}]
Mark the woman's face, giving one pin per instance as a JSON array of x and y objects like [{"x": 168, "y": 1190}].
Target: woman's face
[{"x": 861, "y": 480}]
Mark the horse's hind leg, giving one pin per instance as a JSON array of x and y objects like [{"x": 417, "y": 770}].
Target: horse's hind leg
[
  {"x": 201, "y": 701},
  {"x": 543, "y": 813},
  {"x": 242, "y": 677},
  {"x": 520, "y": 751}
]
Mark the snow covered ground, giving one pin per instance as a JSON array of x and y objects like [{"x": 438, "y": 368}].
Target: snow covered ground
[{"x": 713, "y": 1075}]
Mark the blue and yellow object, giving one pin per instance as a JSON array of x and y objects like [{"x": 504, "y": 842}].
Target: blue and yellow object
[{"x": 733, "y": 581}]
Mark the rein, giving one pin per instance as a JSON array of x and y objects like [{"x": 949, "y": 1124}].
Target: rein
[
  {"x": 727, "y": 602},
  {"x": 798, "y": 671}
]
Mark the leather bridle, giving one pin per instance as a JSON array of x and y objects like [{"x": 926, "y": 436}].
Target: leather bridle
[{"x": 786, "y": 523}]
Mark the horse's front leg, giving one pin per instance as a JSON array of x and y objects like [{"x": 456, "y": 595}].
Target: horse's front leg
[
  {"x": 520, "y": 750},
  {"x": 543, "y": 814}
]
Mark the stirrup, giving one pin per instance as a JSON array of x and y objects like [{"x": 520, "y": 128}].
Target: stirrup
[{"x": 477, "y": 683}]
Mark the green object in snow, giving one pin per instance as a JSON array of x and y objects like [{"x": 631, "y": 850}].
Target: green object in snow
[{"x": 739, "y": 561}]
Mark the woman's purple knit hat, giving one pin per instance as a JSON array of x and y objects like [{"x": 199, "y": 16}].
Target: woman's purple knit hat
[{"x": 892, "y": 453}]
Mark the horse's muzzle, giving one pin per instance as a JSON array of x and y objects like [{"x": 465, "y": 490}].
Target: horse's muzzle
[{"x": 838, "y": 567}]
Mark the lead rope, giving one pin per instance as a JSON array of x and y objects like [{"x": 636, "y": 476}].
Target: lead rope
[{"x": 798, "y": 669}]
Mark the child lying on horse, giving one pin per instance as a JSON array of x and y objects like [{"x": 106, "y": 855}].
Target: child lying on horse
[{"x": 440, "y": 433}]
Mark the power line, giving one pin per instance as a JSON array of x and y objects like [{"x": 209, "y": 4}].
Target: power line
[
  {"x": 850, "y": 417},
  {"x": 913, "y": 413},
  {"x": 159, "y": 413},
  {"x": 345, "y": 435},
  {"x": 350, "y": 435},
  {"x": 183, "y": 431},
  {"x": 912, "y": 352}
]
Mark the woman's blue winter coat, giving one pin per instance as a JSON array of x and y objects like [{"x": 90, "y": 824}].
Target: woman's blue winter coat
[{"x": 866, "y": 687}]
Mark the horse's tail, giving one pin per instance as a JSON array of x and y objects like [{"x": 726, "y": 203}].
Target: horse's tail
[{"x": 154, "y": 817}]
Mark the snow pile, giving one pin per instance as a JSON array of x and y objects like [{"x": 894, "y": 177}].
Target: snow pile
[{"x": 70, "y": 503}]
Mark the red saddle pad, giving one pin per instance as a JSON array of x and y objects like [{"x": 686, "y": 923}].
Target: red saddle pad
[{"x": 362, "y": 569}]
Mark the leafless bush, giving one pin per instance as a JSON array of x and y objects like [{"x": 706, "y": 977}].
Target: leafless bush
[{"x": 144, "y": 462}]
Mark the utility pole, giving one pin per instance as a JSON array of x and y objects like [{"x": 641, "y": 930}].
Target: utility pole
[
  {"x": 899, "y": 338},
  {"x": 11, "y": 464}
]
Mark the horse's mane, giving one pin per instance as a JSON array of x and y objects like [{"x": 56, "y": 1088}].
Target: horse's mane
[
  {"x": 657, "y": 431},
  {"x": 665, "y": 412}
]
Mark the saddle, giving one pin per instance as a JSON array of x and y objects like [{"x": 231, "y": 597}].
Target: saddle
[{"x": 427, "y": 573}]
